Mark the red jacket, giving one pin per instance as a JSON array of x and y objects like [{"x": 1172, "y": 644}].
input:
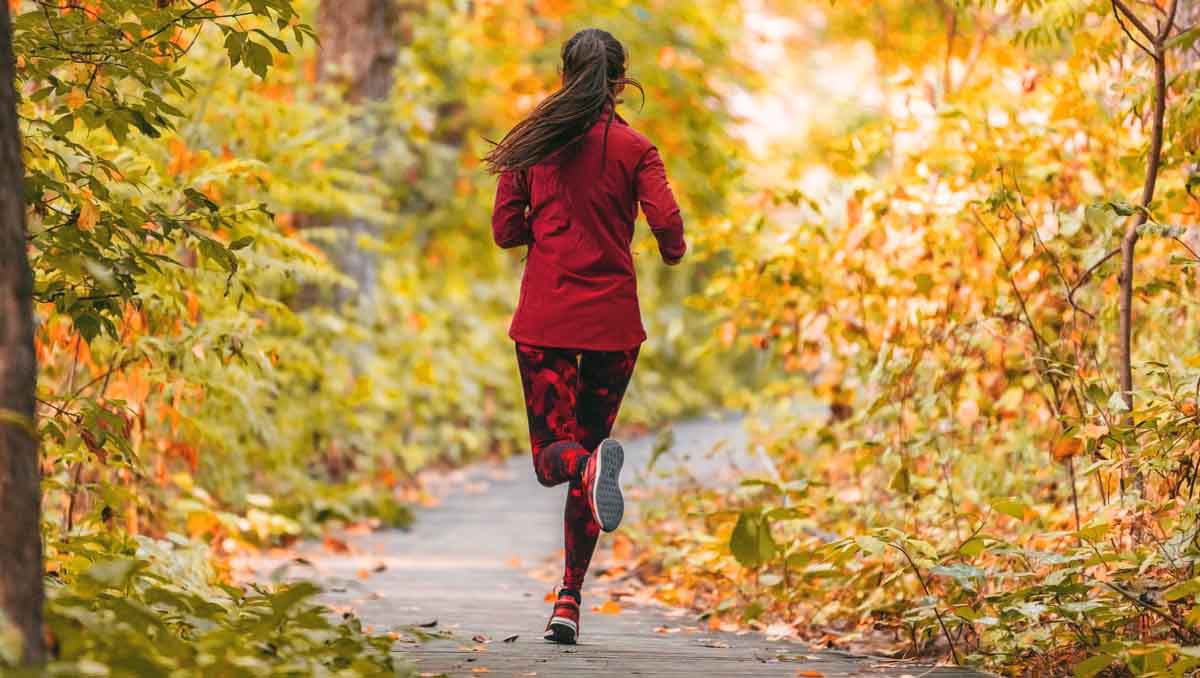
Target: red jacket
[{"x": 576, "y": 212}]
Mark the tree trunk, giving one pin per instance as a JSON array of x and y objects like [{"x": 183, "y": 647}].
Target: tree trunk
[
  {"x": 21, "y": 592},
  {"x": 359, "y": 44}
]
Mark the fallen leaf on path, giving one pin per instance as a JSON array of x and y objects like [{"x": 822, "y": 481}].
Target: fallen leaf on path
[
  {"x": 512, "y": 638},
  {"x": 550, "y": 597},
  {"x": 363, "y": 574},
  {"x": 334, "y": 545},
  {"x": 666, "y": 629},
  {"x": 429, "y": 624},
  {"x": 480, "y": 638},
  {"x": 380, "y": 567},
  {"x": 609, "y": 607},
  {"x": 712, "y": 642},
  {"x": 515, "y": 561},
  {"x": 481, "y": 669},
  {"x": 809, "y": 674}
]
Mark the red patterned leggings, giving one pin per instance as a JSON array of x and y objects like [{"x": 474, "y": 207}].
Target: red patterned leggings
[{"x": 572, "y": 397}]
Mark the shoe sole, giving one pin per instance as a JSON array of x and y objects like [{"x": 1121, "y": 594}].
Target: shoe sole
[
  {"x": 608, "y": 504},
  {"x": 563, "y": 631}
]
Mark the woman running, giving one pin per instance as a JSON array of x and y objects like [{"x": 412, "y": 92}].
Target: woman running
[{"x": 571, "y": 177}]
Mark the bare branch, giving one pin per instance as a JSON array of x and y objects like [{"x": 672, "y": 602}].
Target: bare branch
[
  {"x": 1037, "y": 337},
  {"x": 1120, "y": 6},
  {"x": 1166, "y": 29},
  {"x": 1087, "y": 276},
  {"x": 1121, "y": 23}
]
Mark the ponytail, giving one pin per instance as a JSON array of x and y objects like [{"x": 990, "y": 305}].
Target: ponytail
[{"x": 593, "y": 64}]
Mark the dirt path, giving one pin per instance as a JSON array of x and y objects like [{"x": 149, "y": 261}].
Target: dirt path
[{"x": 469, "y": 563}]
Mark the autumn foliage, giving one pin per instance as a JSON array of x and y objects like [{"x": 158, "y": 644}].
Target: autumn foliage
[
  {"x": 936, "y": 280},
  {"x": 911, "y": 220},
  {"x": 210, "y": 381}
]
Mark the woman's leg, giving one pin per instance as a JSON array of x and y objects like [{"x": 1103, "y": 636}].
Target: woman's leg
[
  {"x": 603, "y": 378},
  {"x": 550, "y": 377}
]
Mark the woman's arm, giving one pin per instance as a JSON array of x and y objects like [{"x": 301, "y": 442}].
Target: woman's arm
[
  {"x": 510, "y": 228},
  {"x": 660, "y": 208}
]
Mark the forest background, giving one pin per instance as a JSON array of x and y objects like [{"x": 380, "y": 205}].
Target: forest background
[{"x": 265, "y": 297}]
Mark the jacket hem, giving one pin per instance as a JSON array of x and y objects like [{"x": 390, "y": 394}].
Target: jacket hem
[{"x": 585, "y": 346}]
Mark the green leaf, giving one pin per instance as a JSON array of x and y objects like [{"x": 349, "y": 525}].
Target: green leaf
[
  {"x": 88, "y": 326},
  {"x": 751, "y": 542},
  {"x": 901, "y": 481},
  {"x": 1185, "y": 39},
  {"x": 1183, "y": 589},
  {"x": 870, "y": 544},
  {"x": 924, "y": 283},
  {"x": 234, "y": 42},
  {"x": 242, "y": 243},
  {"x": 115, "y": 572},
  {"x": 972, "y": 547},
  {"x": 1100, "y": 216},
  {"x": 1009, "y": 507},
  {"x": 286, "y": 599},
  {"x": 1093, "y": 665},
  {"x": 257, "y": 58},
  {"x": 967, "y": 576}
]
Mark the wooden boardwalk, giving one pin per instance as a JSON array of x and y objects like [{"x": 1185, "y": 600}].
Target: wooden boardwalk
[{"x": 467, "y": 562}]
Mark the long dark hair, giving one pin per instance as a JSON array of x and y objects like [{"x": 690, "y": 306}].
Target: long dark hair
[{"x": 593, "y": 69}]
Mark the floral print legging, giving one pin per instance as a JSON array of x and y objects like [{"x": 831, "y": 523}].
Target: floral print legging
[{"x": 572, "y": 397}]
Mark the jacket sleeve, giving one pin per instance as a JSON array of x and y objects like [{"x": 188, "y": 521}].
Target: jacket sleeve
[
  {"x": 659, "y": 206},
  {"x": 510, "y": 227}
]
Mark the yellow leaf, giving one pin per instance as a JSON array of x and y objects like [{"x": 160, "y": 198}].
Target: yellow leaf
[{"x": 423, "y": 373}]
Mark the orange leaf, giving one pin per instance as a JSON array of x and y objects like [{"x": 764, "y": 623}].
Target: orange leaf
[
  {"x": 1067, "y": 448},
  {"x": 334, "y": 545},
  {"x": 622, "y": 548},
  {"x": 810, "y": 673},
  {"x": 89, "y": 211},
  {"x": 76, "y": 98},
  {"x": 609, "y": 607}
]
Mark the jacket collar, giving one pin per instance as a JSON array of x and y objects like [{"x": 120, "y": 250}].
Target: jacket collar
[{"x": 616, "y": 118}]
